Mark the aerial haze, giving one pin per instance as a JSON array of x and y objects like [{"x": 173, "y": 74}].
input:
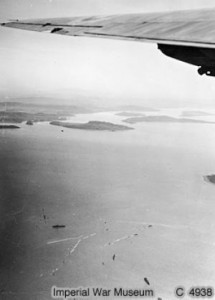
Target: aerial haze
[{"x": 106, "y": 160}]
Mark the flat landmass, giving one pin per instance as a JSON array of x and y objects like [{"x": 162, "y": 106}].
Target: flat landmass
[
  {"x": 210, "y": 178},
  {"x": 3, "y": 126},
  {"x": 92, "y": 125},
  {"x": 195, "y": 113},
  {"x": 163, "y": 119}
]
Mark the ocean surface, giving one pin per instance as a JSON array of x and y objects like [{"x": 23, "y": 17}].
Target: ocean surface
[{"x": 134, "y": 205}]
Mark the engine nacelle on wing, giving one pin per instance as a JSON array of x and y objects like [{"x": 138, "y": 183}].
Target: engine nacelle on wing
[
  {"x": 201, "y": 57},
  {"x": 207, "y": 71}
]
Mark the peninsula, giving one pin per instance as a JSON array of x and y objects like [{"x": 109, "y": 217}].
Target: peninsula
[
  {"x": 3, "y": 126},
  {"x": 92, "y": 125},
  {"x": 163, "y": 119}
]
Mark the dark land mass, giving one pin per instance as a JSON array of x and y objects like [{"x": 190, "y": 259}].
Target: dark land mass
[
  {"x": 195, "y": 113},
  {"x": 129, "y": 114},
  {"x": 162, "y": 119},
  {"x": 3, "y": 126},
  {"x": 57, "y": 226},
  {"x": 92, "y": 125},
  {"x": 29, "y": 122},
  {"x": 210, "y": 178}
]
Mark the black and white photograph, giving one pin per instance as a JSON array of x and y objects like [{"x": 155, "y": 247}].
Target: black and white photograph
[{"x": 107, "y": 149}]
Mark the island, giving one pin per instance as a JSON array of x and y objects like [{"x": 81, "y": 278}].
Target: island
[
  {"x": 3, "y": 126},
  {"x": 29, "y": 122},
  {"x": 163, "y": 119},
  {"x": 92, "y": 125},
  {"x": 210, "y": 178}
]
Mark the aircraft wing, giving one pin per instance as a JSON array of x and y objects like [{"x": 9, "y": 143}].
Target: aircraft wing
[{"x": 194, "y": 29}]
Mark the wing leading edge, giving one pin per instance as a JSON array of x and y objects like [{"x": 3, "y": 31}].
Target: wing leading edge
[{"x": 188, "y": 36}]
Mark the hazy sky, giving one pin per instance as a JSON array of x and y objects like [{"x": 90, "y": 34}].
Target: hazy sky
[{"x": 40, "y": 64}]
